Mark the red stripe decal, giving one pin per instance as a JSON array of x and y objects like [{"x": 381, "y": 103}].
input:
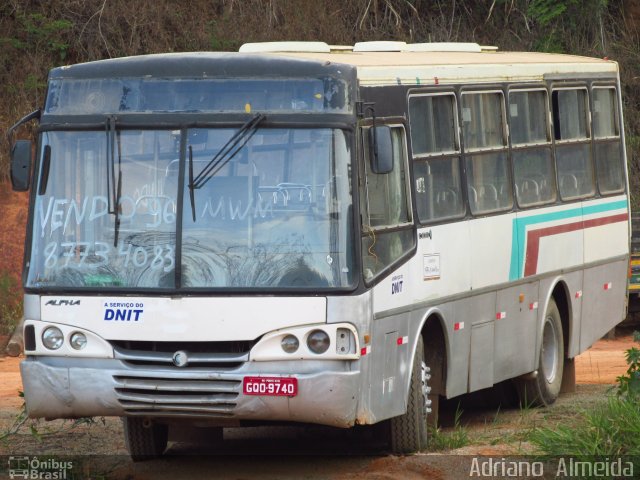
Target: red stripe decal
[{"x": 534, "y": 236}]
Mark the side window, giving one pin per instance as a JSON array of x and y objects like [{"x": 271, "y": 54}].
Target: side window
[
  {"x": 436, "y": 156},
  {"x": 487, "y": 167},
  {"x": 386, "y": 216},
  {"x": 573, "y": 149},
  {"x": 433, "y": 124},
  {"x": 534, "y": 175},
  {"x": 606, "y": 133}
]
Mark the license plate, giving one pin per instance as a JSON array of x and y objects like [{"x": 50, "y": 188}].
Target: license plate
[{"x": 272, "y": 386}]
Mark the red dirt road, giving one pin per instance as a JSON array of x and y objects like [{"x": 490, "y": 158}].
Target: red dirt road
[{"x": 604, "y": 362}]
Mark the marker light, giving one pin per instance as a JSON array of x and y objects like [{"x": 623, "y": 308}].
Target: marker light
[
  {"x": 318, "y": 341},
  {"x": 78, "y": 340},
  {"x": 52, "y": 338},
  {"x": 290, "y": 344}
]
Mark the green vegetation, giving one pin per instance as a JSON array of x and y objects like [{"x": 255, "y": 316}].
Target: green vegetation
[
  {"x": 10, "y": 303},
  {"x": 451, "y": 438},
  {"x": 629, "y": 384},
  {"x": 610, "y": 429}
]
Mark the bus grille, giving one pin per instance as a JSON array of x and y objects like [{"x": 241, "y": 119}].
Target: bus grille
[
  {"x": 219, "y": 355},
  {"x": 176, "y": 397}
]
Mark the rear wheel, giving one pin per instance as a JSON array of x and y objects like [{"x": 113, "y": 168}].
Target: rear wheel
[
  {"x": 408, "y": 432},
  {"x": 543, "y": 389},
  {"x": 144, "y": 439}
]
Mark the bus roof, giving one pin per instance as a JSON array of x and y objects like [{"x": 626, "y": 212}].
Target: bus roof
[
  {"x": 393, "y": 62},
  {"x": 371, "y": 67},
  {"x": 388, "y": 67}
]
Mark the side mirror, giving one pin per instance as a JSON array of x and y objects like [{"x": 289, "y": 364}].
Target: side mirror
[
  {"x": 381, "y": 149},
  {"x": 21, "y": 165}
]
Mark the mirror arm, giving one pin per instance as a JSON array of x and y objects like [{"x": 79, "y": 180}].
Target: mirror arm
[{"x": 36, "y": 114}]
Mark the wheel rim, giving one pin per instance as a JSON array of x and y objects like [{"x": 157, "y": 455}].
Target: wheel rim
[{"x": 549, "y": 351}]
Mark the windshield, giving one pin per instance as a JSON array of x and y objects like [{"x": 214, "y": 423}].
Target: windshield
[{"x": 276, "y": 214}]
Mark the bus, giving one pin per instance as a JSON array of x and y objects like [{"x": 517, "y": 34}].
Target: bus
[{"x": 315, "y": 234}]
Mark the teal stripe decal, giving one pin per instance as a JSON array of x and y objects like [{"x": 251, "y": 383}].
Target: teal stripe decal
[{"x": 520, "y": 225}]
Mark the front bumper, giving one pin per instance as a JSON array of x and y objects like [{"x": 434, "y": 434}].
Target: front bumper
[{"x": 63, "y": 387}]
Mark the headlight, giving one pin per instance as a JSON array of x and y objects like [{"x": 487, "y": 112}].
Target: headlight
[
  {"x": 290, "y": 344},
  {"x": 318, "y": 341},
  {"x": 52, "y": 338},
  {"x": 78, "y": 340}
]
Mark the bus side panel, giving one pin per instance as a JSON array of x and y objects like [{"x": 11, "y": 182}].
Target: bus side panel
[
  {"x": 516, "y": 325},
  {"x": 606, "y": 236},
  {"x": 477, "y": 313},
  {"x": 458, "y": 319},
  {"x": 491, "y": 242},
  {"x": 548, "y": 239},
  {"x": 443, "y": 262},
  {"x": 606, "y": 230},
  {"x": 442, "y": 268},
  {"x": 604, "y": 305},
  {"x": 390, "y": 366}
]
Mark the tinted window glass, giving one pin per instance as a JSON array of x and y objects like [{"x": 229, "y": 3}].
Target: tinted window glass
[
  {"x": 575, "y": 175},
  {"x": 609, "y": 165},
  {"x": 385, "y": 204},
  {"x": 534, "y": 176},
  {"x": 438, "y": 189},
  {"x": 604, "y": 113},
  {"x": 482, "y": 120},
  {"x": 433, "y": 124},
  {"x": 488, "y": 182},
  {"x": 528, "y": 117},
  {"x": 386, "y": 193},
  {"x": 570, "y": 114}
]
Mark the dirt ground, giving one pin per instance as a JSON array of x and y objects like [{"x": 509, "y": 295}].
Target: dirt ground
[{"x": 314, "y": 453}]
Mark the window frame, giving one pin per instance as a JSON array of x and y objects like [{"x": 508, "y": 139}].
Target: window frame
[
  {"x": 449, "y": 155},
  {"x": 456, "y": 130},
  {"x": 407, "y": 178},
  {"x": 559, "y": 144},
  {"x": 547, "y": 145},
  {"x": 505, "y": 135},
  {"x": 469, "y": 152},
  {"x": 618, "y": 138},
  {"x": 588, "y": 128},
  {"x": 365, "y": 228}
]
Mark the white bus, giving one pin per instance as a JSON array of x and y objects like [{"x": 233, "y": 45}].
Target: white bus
[{"x": 315, "y": 234}]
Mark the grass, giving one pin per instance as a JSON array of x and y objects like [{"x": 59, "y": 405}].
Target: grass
[
  {"x": 451, "y": 438},
  {"x": 610, "y": 429},
  {"x": 606, "y": 431}
]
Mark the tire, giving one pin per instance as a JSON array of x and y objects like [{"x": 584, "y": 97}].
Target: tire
[
  {"x": 543, "y": 388},
  {"x": 408, "y": 432},
  {"x": 144, "y": 439}
]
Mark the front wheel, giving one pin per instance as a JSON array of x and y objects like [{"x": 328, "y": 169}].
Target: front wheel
[
  {"x": 144, "y": 439},
  {"x": 543, "y": 389},
  {"x": 408, "y": 432}
]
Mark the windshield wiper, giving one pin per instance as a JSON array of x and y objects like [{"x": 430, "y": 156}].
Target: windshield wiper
[
  {"x": 191, "y": 188},
  {"x": 220, "y": 159},
  {"x": 118, "y": 194},
  {"x": 114, "y": 189}
]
